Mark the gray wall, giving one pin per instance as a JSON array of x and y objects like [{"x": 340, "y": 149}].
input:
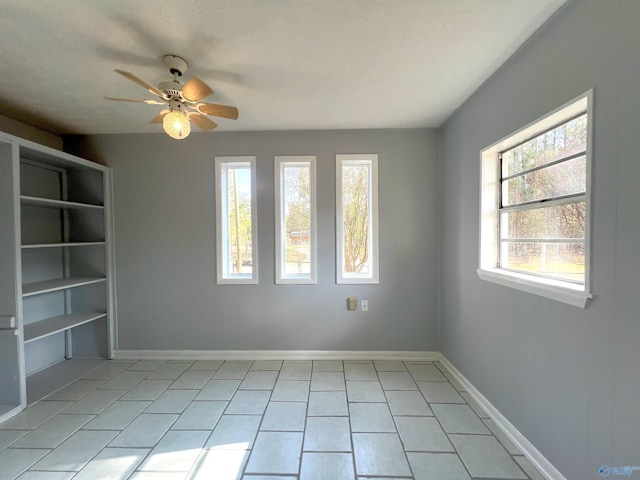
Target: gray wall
[
  {"x": 165, "y": 245},
  {"x": 22, "y": 130},
  {"x": 567, "y": 378}
]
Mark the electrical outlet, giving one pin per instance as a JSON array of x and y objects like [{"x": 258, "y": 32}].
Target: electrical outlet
[
  {"x": 352, "y": 303},
  {"x": 364, "y": 306}
]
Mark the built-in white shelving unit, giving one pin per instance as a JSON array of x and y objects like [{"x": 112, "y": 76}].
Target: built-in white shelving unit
[{"x": 56, "y": 287}]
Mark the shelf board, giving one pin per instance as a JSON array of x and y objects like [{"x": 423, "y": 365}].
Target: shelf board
[
  {"x": 47, "y": 286},
  {"x": 8, "y": 332},
  {"x": 64, "y": 244},
  {"x": 49, "y": 326},
  {"x": 50, "y": 203}
]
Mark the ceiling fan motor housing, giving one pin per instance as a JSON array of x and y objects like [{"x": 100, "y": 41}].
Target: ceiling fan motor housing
[{"x": 170, "y": 89}]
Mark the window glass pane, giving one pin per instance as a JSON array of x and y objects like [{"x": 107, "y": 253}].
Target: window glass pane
[
  {"x": 296, "y": 198},
  {"x": 565, "y": 140},
  {"x": 558, "y": 260},
  {"x": 556, "y": 222},
  {"x": 238, "y": 220},
  {"x": 564, "y": 178},
  {"x": 357, "y": 219},
  {"x": 355, "y": 211}
]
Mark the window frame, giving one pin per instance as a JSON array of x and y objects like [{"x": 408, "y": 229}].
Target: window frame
[
  {"x": 576, "y": 294},
  {"x": 280, "y": 162},
  {"x": 223, "y": 276},
  {"x": 374, "y": 276}
]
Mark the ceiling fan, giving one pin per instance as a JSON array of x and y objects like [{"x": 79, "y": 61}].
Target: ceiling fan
[{"x": 182, "y": 101}]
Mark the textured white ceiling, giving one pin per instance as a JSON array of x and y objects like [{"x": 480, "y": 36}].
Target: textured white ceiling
[{"x": 287, "y": 65}]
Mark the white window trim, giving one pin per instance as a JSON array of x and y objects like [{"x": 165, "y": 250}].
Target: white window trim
[
  {"x": 223, "y": 276},
  {"x": 373, "y": 278},
  {"x": 279, "y": 163},
  {"x": 567, "y": 292}
]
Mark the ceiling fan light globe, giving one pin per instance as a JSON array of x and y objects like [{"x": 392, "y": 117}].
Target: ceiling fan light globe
[{"x": 176, "y": 125}]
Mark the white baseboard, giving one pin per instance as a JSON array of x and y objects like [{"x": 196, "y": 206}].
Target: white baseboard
[
  {"x": 274, "y": 355},
  {"x": 544, "y": 466}
]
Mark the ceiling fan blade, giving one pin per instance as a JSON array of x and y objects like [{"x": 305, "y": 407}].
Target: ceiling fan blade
[
  {"x": 202, "y": 122},
  {"x": 195, "y": 90},
  {"x": 224, "y": 111},
  {"x": 158, "y": 118},
  {"x": 148, "y": 102},
  {"x": 140, "y": 82}
]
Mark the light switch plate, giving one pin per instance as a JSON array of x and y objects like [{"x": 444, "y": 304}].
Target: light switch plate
[{"x": 7, "y": 321}]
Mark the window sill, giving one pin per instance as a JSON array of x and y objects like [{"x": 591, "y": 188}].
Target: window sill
[
  {"x": 560, "y": 291},
  {"x": 296, "y": 281},
  {"x": 357, "y": 281},
  {"x": 238, "y": 281}
]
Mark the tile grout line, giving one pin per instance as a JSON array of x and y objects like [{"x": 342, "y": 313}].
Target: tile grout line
[
  {"x": 402, "y": 443},
  {"x": 490, "y": 434},
  {"x": 168, "y": 429},
  {"x": 159, "y": 440},
  {"x": 306, "y": 417},
  {"x": 353, "y": 444},
  {"x": 442, "y": 428},
  {"x": 203, "y": 449}
]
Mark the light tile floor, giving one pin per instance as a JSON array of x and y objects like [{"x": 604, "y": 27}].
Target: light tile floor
[{"x": 262, "y": 420}]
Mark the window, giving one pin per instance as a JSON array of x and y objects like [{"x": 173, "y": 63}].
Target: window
[
  {"x": 295, "y": 192},
  {"x": 357, "y": 218},
  {"x": 236, "y": 224},
  {"x": 535, "y": 206}
]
